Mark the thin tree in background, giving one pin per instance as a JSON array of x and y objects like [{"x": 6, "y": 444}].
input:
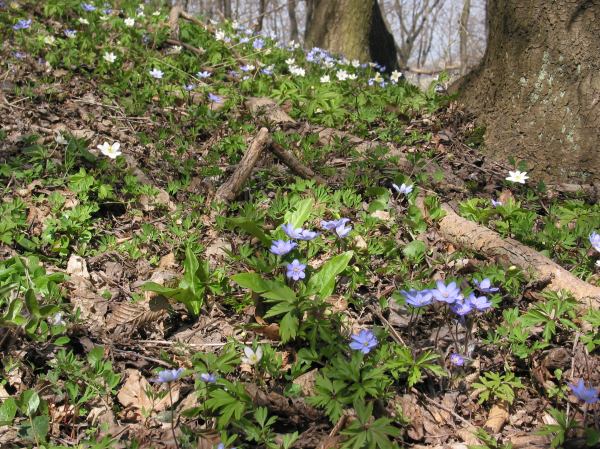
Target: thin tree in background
[
  {"x": 262, "y": 11},
  {"x": 353, "y": 28},
  {"x": 463, "y": 32},
  {"x": 412, "y": 16},
  {"x": 294, "y": 34}
]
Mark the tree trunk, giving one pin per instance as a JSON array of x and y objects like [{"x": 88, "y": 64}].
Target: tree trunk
[
  {"x": 262, "y": 10},
  {"x": 464, "y": 36},
  {"x": 293, "y": 20},
  {"x": 537, "y": 89},
  {"x": 226, "y": 8},
  {"x": 353, "y": 28}
]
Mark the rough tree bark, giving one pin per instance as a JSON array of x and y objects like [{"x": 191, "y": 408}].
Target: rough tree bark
[
  {"x": 353, "y": 28},
  {"x": 537, "y": 89}
]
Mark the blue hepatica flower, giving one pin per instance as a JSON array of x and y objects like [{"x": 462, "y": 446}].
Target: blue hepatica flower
[
  {"x": 71, "y": 34},
  {"x": 88, "y": 7},
  {"x": 208, "y": 378},
  {"x": 267, "y": 70},
  {"x": 446, "y": 293},
  {"x": 418, "y": 298},
  {"x": 307, "y": 235},
  {"x": 333, "y": 224},
  {"x": 189, "y": 87},
  {"x": 22, "y": 24},
  {"x": 403, "y": 189},
  {"x": 222, "y": 446},
  {"x": 496, "y": 203},
  {"x": 295, "y": 270},
  {"x": 364, "y": 341},
  {"x": 282, "y": 247},
  {"x": 485, "y": 286},
  {"x": 479, "y": 302},
  {"x": 169, "y": 375},
  {"x": 595, "y": 241},
  {"x": 462, "y": 307},
  {"x": 342, "y": 231},
  {"x": 214, "y": 98},
  {"x": 587, "y": 395},
  {"x": 204, "y": 74},
  {"x": 258, "y": 44},
  {"x": 457, "y": 359},
  {"x": 291, "y": 232}
]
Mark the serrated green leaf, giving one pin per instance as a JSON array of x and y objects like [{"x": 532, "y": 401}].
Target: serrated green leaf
[
  {"x": 288, "y": 327},
  {"x": 415, "y": 250}
]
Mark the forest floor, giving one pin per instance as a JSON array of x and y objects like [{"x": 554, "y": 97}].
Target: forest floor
[{"x": 285, "y": 250}]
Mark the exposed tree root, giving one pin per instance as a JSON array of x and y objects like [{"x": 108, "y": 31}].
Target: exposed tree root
[{"x": 470, "y": 235}]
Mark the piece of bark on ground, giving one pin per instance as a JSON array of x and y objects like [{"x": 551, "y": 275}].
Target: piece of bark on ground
[{"x": 294, "y": 409}]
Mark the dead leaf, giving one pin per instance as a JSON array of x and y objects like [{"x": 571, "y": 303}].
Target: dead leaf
[
  {"x": 133, "y": 394},
  {"x": 467, "y": 434},
  {"x": 137, "y": 314},
  {"x": 30, "y": 188},
  {"x": 330, "y": 442},
  {"x": 271, "y": 331},
  {"x": 306, "y": 382},
  {"x": 217, "y": 250},
  {"x": 382, "y": 215},
  {"x": 77, "y": 266},
  {"x": 360, "y": 243},
  {"x": 167, "y": 261},
  {"x": 497, "y": 417}
]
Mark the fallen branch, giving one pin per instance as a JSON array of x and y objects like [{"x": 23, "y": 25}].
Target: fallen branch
[
  {"x": 480, "y": 239},
  {"x": 231, "y": 188},
  {"x": 294, "y": 164},
  {"x": 198, "y": 51}
]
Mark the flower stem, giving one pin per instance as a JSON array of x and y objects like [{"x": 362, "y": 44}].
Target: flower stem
[{"x": 172, "y": 418}]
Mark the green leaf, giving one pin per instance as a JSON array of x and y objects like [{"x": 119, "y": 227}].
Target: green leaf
[
  {"x": 32, "y": 303},
  {"x": 415, "y": 250},
  {"x": 157, "y": 288},
  {"x": 40, "y": 427},
  {"x": 301, "y": 214},
  {"x": 190, "y": 267},
  {"x": 8, "y": 411},
  {"x": 29, "y": 402},
  {"x": 251, "y": 228},
  {"x": 323, "y": 282},
  {"x": 61, "y": 341},
  {"x": 252, "y": 281},
  {"x": 279, "y": 292}
]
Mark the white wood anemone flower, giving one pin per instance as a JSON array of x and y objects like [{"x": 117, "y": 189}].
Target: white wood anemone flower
[
  {"x": 517, "y": 176},
  {"x": 252, "y": 357},
  {"x": 110, "y": 150}
]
